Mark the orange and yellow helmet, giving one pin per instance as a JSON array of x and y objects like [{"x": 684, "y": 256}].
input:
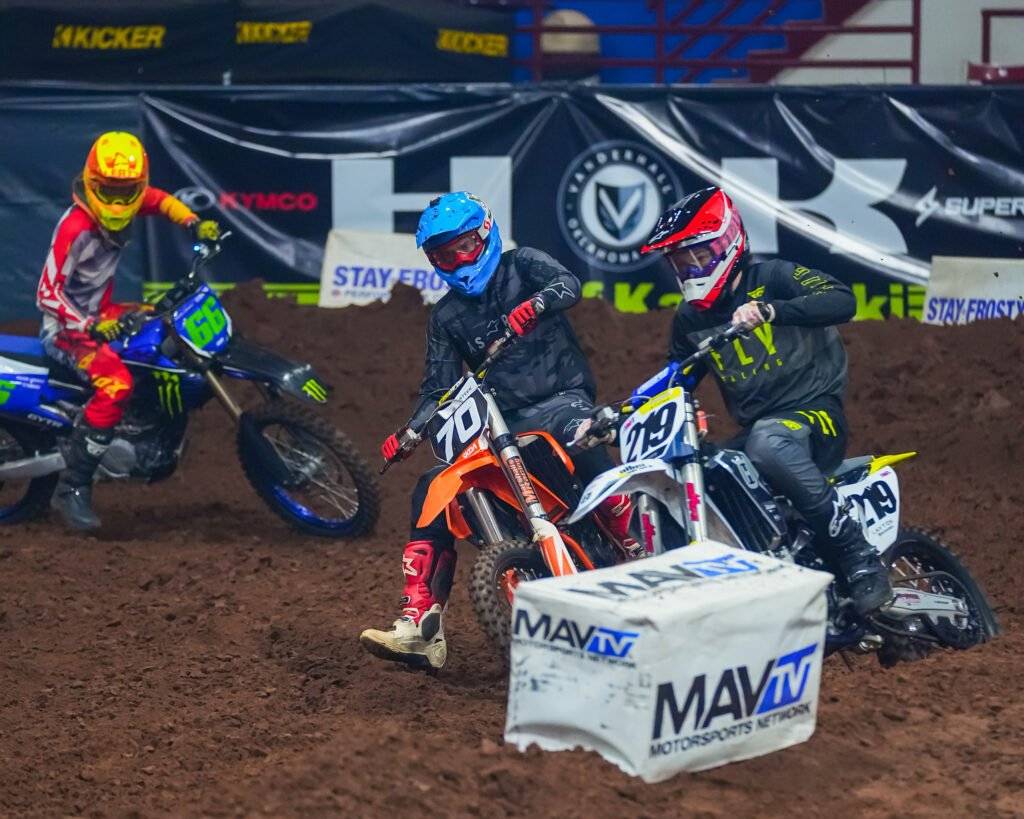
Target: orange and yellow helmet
[{"x": 115, "y": 176}]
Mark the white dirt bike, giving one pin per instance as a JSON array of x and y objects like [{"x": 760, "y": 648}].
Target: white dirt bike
[{"x": 689, "y": 490}]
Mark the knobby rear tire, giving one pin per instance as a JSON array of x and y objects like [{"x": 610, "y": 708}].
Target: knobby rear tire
[
  {"x": 300, "y": 418},
  {"x": 911, "y": 539},
  {"x": 36, "y": 498}
]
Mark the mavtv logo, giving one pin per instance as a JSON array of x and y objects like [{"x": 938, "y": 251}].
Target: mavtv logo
[
  {"x": 593, "y": 639},
  {"x": 737, "y": 694}
]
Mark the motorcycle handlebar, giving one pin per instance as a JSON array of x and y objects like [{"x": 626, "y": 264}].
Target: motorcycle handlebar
[{"x": 409, "y": 439}]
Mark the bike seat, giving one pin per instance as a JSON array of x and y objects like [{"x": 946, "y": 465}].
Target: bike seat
[
  {"x": 848, "y": 466},
  {"x": 29, "y": 350}
]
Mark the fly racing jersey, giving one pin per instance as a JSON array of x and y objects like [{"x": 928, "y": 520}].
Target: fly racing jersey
[
  {"x": 534, "y": 367},
  {"x": 78, "y": 276},
  {"x": 788, "y": 364}
]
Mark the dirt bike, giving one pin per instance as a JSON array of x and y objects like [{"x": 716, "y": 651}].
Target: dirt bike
[
  {"x": 508, "y": 494},
  {"x": 179, "y": 353},
  {"x": 689, "y": 490}
]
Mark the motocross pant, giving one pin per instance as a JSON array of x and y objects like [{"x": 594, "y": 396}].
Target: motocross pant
[
  {"x": 429, "y": 558},
  {"x": 98, "y": 364},
  {"x": 795, "y": 451}
]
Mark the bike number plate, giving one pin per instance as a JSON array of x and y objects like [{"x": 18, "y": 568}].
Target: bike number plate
[
  {"x": 876, "y": 501},
  {"x": 203, "y": 323},
  {"x": 652, "y": 429},
  {"x": 456, "y": 425}
]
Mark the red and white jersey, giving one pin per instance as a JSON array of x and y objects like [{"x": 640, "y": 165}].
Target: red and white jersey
[{"x": 78, "y": 277}]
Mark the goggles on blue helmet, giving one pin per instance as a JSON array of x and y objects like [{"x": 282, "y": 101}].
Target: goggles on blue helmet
[{"x": 461, "y": 239}]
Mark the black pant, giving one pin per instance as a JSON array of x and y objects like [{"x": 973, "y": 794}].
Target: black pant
[
  {"x": 795, "y": 450},
  {"x": 560, "y": 415}
]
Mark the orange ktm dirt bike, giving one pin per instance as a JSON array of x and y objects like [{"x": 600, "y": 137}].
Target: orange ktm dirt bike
[{"x": 510, "y": 494}]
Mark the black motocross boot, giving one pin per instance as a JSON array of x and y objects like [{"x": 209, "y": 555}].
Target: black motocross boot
[
  {"x": 843, "y": 542},
  {"x": 73, "y": 496}
]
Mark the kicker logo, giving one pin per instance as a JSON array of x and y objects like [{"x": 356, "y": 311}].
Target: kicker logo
[
  {"x": 103, "y": 38},
  {"x": 565, "y": 633},
  {"x": 739, "y": 694}
]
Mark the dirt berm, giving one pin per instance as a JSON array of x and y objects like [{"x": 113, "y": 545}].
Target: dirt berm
[{"x": 197, "y": 657}]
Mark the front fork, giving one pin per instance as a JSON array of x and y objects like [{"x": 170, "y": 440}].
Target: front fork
[
  {"x": 222, "y": 395},
  {"x": 690, "y": 476},
  {"x": 545, "y": 534}
]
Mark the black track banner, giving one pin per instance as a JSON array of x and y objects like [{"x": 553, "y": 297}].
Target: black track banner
[{"x": 866, "y": 183}]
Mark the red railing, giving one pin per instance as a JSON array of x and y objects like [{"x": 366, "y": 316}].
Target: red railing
[
  {"x": 987, "y": 15},
  {"x": 664, "y": 28}
]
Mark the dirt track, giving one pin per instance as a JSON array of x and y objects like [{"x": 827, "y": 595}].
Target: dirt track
[{"x": 198, "y": 658}]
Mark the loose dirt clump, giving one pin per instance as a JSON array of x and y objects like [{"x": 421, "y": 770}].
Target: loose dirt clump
[{"x": 197, "y": 657}]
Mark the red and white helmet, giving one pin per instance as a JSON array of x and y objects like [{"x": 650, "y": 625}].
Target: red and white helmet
[{"x": 702, "y": 237}]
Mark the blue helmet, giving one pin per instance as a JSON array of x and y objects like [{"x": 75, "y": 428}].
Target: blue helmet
[{"x": 461, "y": 240}]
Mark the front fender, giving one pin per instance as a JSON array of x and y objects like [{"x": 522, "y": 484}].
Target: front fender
[
  {"x": 244, "y": 359},
  {"x": 653, "y": 477}
]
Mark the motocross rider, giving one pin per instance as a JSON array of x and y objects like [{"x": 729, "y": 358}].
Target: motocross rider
[
  {"x": 542, "y": 381},
  {"x": 80, "y": 319},
  {"x": 784, "y": 383}
]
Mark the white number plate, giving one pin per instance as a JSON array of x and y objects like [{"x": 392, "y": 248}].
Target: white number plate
[
  {"x": 459, "y": 423},
  {"x": 649, "y": 431},
  {"x": 876, "y": 501}
]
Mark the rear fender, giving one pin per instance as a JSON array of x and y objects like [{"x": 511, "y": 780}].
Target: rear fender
[
  {"x": 243, "y": 359},
  {"x": 653, "y": 477}
]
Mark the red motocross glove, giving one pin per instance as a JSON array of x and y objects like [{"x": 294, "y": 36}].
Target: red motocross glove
[
  {"x": 523, "y": 319},
  {"x": 391, "y": 447}
]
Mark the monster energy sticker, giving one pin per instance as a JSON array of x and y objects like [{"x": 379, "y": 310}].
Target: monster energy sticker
[{"x": 168, "y": 392}]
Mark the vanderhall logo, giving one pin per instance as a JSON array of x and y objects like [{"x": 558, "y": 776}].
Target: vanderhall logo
[
  {"x": 568, "y": 635},
  {"x": 736, "y": 702},
  {"x": 609, "y": 201}
]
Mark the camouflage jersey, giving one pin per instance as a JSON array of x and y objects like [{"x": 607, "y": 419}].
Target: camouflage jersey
[
  {"x": 787, "y": 365},
  {"x": 545, "y": 362}
]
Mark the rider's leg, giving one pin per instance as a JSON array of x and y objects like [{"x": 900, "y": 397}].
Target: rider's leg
[
  {"x": 783, "y": 448},
  {"x": 94, "y": 430},
  {"x": 561, "y": 415},
  {"x": 428, "y": 564}
]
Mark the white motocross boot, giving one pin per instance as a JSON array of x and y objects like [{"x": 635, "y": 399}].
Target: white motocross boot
[
  {"x": 417, "y": 637},
  {"x": 421, "y": 645}
]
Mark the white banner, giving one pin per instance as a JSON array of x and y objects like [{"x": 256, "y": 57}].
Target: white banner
[
  {"x": 361, "y": 267},
  {"x": 964, "y": 289},
  {"x": 689, "y": 660}
]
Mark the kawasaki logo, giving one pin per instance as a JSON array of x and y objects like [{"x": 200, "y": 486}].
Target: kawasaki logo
[
  {"x": 736, "y": 694},
  {"x": 569, "y": 634},
  {"x": 967, "y": 206}
]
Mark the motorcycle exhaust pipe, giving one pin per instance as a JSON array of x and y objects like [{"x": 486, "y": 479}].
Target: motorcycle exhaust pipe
[{"x": 35, "y": 467}]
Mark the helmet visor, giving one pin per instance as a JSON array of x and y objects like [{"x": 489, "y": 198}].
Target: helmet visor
[
  {"x": 700, "y": 259},
  {"x": 453, "y": 254},
  {"x": 118, "y": 192}
]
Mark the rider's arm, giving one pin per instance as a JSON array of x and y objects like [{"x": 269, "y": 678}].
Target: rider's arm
[
  {"x": 680, "y": 347},
  {"x": 554, "y": 285},
  {"x": 72, "y": 234},
  {"x": 807, "y": 298},
  {"x": 155, "y": 200},
  {"x": 443, "y": 368}
]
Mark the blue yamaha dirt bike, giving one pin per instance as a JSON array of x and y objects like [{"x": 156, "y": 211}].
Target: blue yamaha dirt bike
[{"x": 180, "y": 356}]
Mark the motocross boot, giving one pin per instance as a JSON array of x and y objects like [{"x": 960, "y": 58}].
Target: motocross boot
[
  {"x": 417, "y": 637},
  {"x": 73, "y": 496},
  {"x": 615, "y": 512},
  {"x": 867, "y": 577}
]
